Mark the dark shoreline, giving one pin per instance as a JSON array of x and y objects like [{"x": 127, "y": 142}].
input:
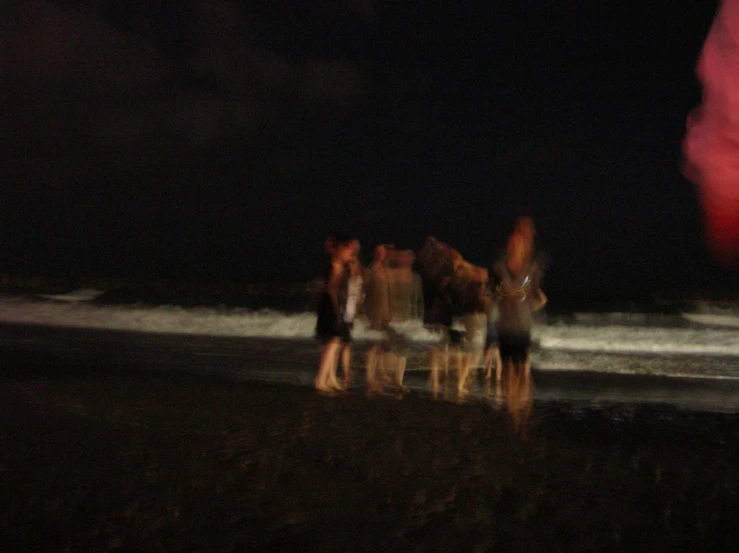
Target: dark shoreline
[
  {"x": 45, "y": 350},
  {"x": 100, "y": 451}
]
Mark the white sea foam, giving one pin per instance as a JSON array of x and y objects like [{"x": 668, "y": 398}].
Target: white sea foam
[
  {"x": 640, "y": 339},
  {"x": 685, "y": 366},
  {"x": 600, "y": 336},
  {"x": 611, "y": 318},
  {"x": 727, "y": 319},
  {"x": 174, "y": 319}
]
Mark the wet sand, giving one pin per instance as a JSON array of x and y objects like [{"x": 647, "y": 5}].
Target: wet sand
[{"x": 96, "y": 456}]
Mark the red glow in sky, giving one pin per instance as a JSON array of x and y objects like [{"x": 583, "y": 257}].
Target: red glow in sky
[{"x": 712, "y": 141}]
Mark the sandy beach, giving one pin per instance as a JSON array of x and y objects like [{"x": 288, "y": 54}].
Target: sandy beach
[{"x": 98, "y": 456}]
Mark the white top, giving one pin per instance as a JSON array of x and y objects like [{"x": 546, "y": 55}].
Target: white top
[{"x": 354, "y": 289}]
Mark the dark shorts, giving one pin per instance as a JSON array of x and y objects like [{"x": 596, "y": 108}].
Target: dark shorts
[
  {"x": 342, "y": 331},
  {"x": 514, "y": 347},
  {"x": 456, "y": 337},
  {"x": 330, "y": 325}
]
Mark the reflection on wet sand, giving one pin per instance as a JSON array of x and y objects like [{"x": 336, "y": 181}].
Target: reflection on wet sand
[
  {"x": 518, "y": 388},
  {"x": 514, "y": 392},
  {"x": 445, "y": 359}
]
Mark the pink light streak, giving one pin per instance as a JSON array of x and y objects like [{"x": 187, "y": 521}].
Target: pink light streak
[{"x": 711, "y": 145}]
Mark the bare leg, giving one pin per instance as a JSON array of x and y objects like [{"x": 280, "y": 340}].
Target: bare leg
[
  {"x": 327, "y": 366},
  {"x": 474, "y": 363},
  {"x": 388, "y": 360},
  {"x": 488, "y": 363},
  {"x": 381, "y": 365},
  {"x": 400, "y": 373},
  {"x": 332, "y": 381},
  {"x": 519, "y": 397},
  {"x": 474, "y": 324},
  {"x": 442, "y": 350},
  {"x": 498, "y": 362},
  {"x": 498, "y": 394},
  {"x": 459, "y": 360},
  {"x": 434, "y": 366},
  {"x": 370, "y": 364},
  {"x": 346, "y": 364},
  {"x": 463, "y": 370},
  {"x": 373, "y": 360}
]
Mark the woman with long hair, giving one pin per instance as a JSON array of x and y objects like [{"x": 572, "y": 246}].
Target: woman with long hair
[{"x": 331, "y": 327}]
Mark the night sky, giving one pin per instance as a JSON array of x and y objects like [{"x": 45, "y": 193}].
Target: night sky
[{"x": 222, "y": 140}]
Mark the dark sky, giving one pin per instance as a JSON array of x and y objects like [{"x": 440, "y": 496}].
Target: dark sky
[{"x": 223, "y": 139}]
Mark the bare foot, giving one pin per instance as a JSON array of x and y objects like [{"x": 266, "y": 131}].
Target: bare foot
[
  {"x": 334, "y": 384},
  {"x": 372, "y": 392}
]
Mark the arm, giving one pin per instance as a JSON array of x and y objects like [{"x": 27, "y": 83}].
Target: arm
[
  {"x": 332, "y": 288},
  {"x": 417, "y": 298},
  {"x": 539, "y": 301}
]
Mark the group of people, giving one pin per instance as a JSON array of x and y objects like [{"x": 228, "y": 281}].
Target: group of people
[{"x": 495, "y": 308}]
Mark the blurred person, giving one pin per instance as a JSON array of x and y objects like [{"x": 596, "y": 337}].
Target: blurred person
[
  {"x": 518, "y": 277},
  {"x": 436, "y": 265},
  {"x": 458, "y": 288},
  {"x": 526, "y": 228},
  {"x": 354, "y": 299},
  {"x": 407, "y": 288},
  {"x": 378, "y": 306},
  {"x": 470, "y": 284},
  {"x": 377, "y": 310},
  {"x": 394, "y": 351},
  {"x": 437, "y": 269},
  {"x": 491, "y": 349},
  {"x": 331, "y": 326},
  {"x": 406, "y": 304},
  {"x": 449, "y": 346},
  {"x": 380, "y": 310}
]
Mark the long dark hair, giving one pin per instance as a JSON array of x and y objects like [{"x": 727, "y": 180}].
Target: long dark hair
[{"x": 333, "y": 243}]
